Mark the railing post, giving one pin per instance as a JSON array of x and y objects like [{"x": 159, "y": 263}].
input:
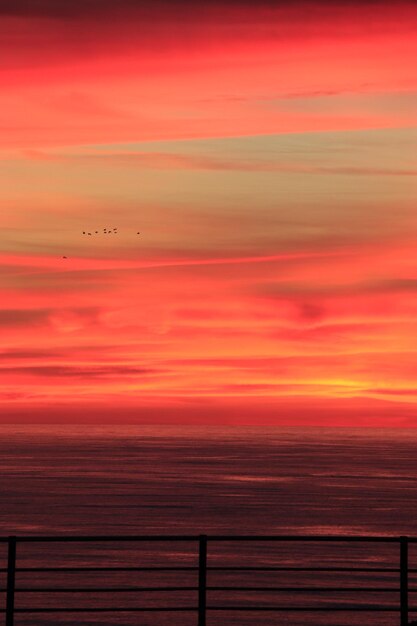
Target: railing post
[
  {"x": 11, "y": 575},
  {"x": 404, "y": 580},
  {"x": 202, "y": 580}
]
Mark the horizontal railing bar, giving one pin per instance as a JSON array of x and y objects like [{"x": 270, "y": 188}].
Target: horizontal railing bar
[
  {"x": 310, "y": 589},
  {"x": 127, "y": 538},
  {"x": 105, "y": 569},
  {"x": 209, "y": 608},
  {"x": 237, "y": 568},
  {"x": 105, "y": 610},
  {"x": 393, "y": 570},
  {"x": 308, "y": 538},
  {"x": 376, "y": 609},
  {"x": 263, "y": 589},
  {"x": 99, "y": 589}
]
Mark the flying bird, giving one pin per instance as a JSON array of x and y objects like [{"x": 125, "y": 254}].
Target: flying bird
[
  {"x": 64, "y": 257},
  {"x": 106, "y": 232}
]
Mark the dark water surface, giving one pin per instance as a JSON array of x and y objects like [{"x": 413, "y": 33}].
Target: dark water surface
[{"x": 165, "y": 480}]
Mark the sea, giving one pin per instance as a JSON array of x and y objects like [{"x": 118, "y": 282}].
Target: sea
[{"x": 166, "y": 480}]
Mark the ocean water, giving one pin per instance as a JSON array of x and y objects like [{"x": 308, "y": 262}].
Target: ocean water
[{"x": 174, "y": 480}]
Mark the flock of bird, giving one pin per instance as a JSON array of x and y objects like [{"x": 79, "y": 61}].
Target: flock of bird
[{"x": 106, "y": 231}]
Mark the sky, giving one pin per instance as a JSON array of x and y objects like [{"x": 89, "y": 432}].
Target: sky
[{"x": 266, "y": 154}]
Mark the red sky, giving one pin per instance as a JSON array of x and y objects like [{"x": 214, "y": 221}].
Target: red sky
[{"x": 266, "y": 154}]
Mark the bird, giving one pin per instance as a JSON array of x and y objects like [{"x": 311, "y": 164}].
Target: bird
[
  {"x": 89, "y": 233},
  {"x": 96, "y": 232},
  {"x": 83, "y": 232},
  {"x": 64, "y": 257},
  {"x": 138, "y": 233}
]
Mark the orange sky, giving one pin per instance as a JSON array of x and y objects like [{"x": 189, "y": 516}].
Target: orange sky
[{"x": 266, "y": 155}]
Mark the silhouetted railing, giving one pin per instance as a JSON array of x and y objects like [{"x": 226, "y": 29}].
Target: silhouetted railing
[{"x": 202, "y": 608}]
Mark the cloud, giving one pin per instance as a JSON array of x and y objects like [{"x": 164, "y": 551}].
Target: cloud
[
  {"x": 174, "y": 410},
  {"x": 23, "y": 317},
  {"x": 412, "y": 391},
  {"x": 311, "y": 312},
  {"x": 18, "y": 354},
  {"x": 65, "y": 318},
  {"x": 300, "y": 290},
  {"x": 100, "y": 372},
  {"x": 188, "y": 259},
  {"x": 177, "y": 161}
]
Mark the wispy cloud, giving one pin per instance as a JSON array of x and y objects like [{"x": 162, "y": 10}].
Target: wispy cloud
[
  {"x": 93, "y": 372},
  {"x": 22, "y": 317},
  {"x": 173, "y": 161}
]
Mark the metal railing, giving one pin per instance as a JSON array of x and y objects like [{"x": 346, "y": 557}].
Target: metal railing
[{"x": 202, "y": 608}]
